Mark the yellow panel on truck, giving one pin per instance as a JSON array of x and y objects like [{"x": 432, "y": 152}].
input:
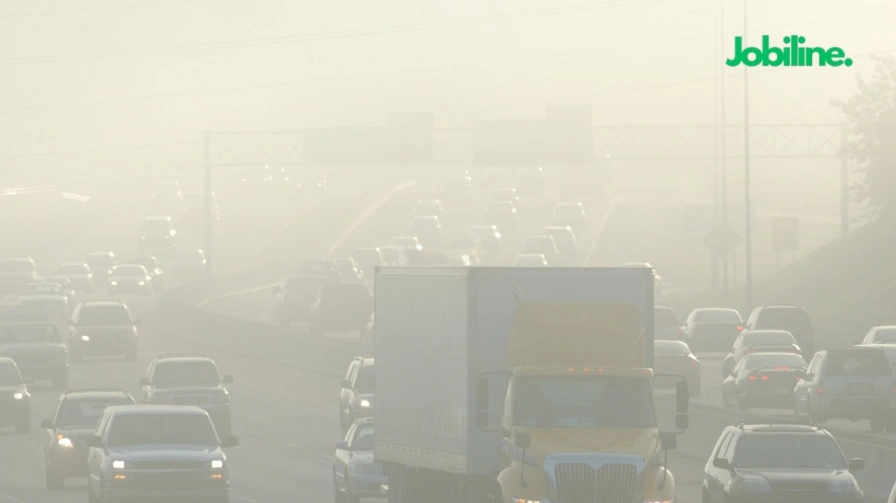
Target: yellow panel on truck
[{"x": 576, "y": 333}]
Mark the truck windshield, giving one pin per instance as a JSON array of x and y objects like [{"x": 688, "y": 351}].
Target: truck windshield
[{"x": 584, "y": 402}]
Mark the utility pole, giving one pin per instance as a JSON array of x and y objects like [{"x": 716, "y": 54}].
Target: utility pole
[
  {"x": 724, "y": 154},
  {"x": 207, "y": 166},
  {"x": 748, "y": 241}
]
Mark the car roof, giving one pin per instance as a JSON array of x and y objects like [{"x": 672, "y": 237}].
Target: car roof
[
  {"x": 147, "y": 409},
  {"x": 91, "y": 393},
  {"x": 7, "y": 360},
  {"x": 97, "y": 303},
  {"x": 183, "y": 358},
  {"x": 726, "y": 309},
  {"x": 780, "y": 426},
  {"x": 767, "y": 332},
  {"x": 885, "y": 327},
  {"x": 781, "y": 306}
]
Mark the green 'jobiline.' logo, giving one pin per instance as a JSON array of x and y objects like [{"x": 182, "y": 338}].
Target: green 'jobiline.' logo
[{"x": 792, "y": 54}]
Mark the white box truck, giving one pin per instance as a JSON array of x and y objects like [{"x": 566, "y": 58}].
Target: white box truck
[{"x": 519, "y": 385}]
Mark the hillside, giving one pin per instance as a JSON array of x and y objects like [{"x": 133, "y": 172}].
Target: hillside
[{"x": 847, "y": 286}]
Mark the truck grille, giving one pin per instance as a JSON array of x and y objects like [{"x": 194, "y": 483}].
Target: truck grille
[{"x": 609, "y": 483}]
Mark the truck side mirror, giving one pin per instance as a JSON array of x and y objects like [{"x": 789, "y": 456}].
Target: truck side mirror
[
  {"x": 522, "y": 440},
  {"x": 342, "y": 445},
  {"x": 482, "y": 393},
  {"x": 682, "y": 421},
  {"x": 669, "y": 441},
  {"x": 682, "y": 396}
]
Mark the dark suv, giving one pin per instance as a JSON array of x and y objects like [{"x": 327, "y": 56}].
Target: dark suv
[
  {"x": 189, "y": 379},
  {"x": 772, "y": 461},
  {"x": 793, "y": 319},
  {"x": 74, "y": 422}
]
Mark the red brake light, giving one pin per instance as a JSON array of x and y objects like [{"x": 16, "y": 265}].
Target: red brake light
[
  {"x": 740, "y": 328},
  {"x": 765, "y": 378},
  {"x": 820, "y": 389},
  {"x": 751, "y": 377}
]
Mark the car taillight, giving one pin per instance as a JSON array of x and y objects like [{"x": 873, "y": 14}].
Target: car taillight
[
  {"x": 764, "y": 378},
  {"x": 751, "y": 377},
  {"x": 740, "y": 328},
  {"x": 819, "y": 389}
]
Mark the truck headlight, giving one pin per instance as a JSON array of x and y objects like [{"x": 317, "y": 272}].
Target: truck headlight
[
  {"x": 217, "y": 463},
  {"x": 63, "y": 441},
  {"x": 364, "y": 403},
  {"x": 119, "y": 464},
  {"x": 85, "y": 338},
  {"x": 524, "y": 500},
  {"x": 843, "y": 486},
  {"x": 17, "y": 396},
  {"x": 113, "y": 283}
]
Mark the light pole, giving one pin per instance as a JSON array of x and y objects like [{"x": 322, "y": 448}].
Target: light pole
[
  {"x": 716, "y": 49},
  {"x": 748, "y": 237}
]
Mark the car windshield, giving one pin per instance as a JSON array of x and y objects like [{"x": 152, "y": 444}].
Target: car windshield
[
  {"x": 363, "y": 440},
  {"x": 584, "y": 402},
  {"x": 717, "y": 315},
  {"x": 9, "y": 375},
  {"x": 104, "y": 315},
  {"x": 129, "y": 271},
  {"x": 73, "y": 269},
  {"x": 870, "y": 362},
  {"x": 664, "y": 318},
  {"x": 671, "y": 348},
  {"x": 775, "y": 339},
  {"x": 182, "y": 374},
  {"x": 794, "y": 451},
  {"x": 772, "y": 360},
  {"x": 885, "y": 335},
  {"x": 365, "y": 380},
  {"x": 83, "y": 412},
  {"x": 16, "y": 266},
  {"x": 100, "y": 261},
  {"x": 43, "y": 289},
  {"x": 161, "y": 429},
  {"x": 784, "y": 318},
  {"x": 38, "y": 333}
]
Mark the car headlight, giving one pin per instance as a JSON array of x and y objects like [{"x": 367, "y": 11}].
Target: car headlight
[
  {"x": 843, "y": 486},
  {"x": 141, "y": 283},
  {"x": 113, "y": 283},
  {"x": 756, "y": 485},
  {"x": 63, "y": 441},
  {"x": 365, "y": 403},
  {"x": 524, "y": 500},
  {"x": 217, "y": 463},
  {"x": 18, "y": 396},
  {"x": 85, "y": 338},
  {"x": 119, "y": 464}
]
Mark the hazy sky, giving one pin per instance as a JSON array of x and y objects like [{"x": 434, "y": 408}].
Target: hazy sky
[{"x": 84, "y": 75}]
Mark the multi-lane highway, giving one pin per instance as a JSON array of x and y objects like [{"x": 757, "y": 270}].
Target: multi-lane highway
[{"x": 286, "y": 383}]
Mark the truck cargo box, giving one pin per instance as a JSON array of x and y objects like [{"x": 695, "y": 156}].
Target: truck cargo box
[{"x": 438, "y": 329}]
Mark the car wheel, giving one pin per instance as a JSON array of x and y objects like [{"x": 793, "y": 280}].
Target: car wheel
[
  {"x": 349, "y": 497},
  {"x": 54, "y": 482},
  {"x": 23, "y": 425},
  {"x": 338, "y": 496}
]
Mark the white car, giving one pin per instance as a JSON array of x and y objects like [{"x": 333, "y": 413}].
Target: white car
[
  {"x": 130, "y": 278},
  {"x": 138, "y": 449}
]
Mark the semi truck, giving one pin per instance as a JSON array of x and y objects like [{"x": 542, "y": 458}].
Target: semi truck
[{"x": 519, "y": 385}]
